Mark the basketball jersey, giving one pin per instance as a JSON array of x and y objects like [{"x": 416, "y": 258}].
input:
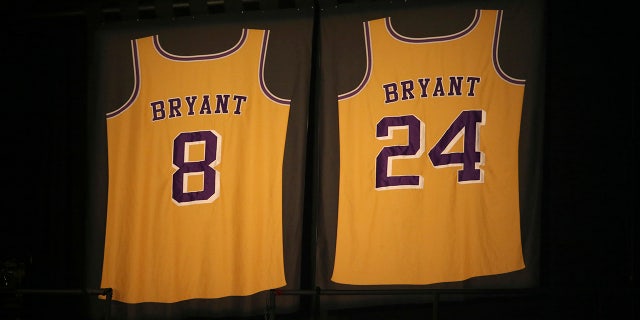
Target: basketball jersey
[
  {"x": 429, "y": 160},
  {"x": 195, "y": 177}
]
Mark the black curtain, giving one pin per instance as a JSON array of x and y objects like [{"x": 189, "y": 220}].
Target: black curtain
[{"x": 588, "y": 221}]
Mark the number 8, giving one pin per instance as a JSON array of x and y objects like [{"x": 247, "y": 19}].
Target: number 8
[{"x": 204, "y": 168}]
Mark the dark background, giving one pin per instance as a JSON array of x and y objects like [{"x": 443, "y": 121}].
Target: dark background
[{"x": 589, "y": 226}]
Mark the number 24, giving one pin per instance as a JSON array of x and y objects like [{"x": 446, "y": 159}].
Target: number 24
[{"x": 466, "y": 124}]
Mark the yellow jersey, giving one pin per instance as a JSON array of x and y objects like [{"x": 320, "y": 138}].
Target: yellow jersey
[
  {"x": 429, "y": 160},
  {"x": 195, "y": 176}
]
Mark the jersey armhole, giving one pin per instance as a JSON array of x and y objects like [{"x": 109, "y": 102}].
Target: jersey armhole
[
  {"x": 368, "y": 65},
  {"x": 136, "y": 82},
  {"x": 263, "y": 84},
  {"x": 495, "y": 57}
]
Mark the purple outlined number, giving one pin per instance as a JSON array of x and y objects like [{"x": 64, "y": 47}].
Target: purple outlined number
[
  {"x": 190, "y": 169},
  {"x": 465, "y": 124},
  {"x": 413, "y": 149}
]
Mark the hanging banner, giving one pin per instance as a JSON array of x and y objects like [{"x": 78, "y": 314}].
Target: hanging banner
[
  {"x": 429, "y": 146},
  {"x": 204, "y": 121}
]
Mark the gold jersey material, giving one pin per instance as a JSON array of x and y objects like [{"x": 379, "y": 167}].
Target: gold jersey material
[
  {"x": 429, "y": 160},
  {"x": 195, "y": 177}
]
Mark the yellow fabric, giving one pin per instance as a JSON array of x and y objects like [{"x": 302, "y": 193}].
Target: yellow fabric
[
  {"x": 441, "y": 229},
  {"x": 228, "y": 242}
]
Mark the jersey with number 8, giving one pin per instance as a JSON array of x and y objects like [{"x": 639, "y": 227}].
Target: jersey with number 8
[
  {"x": 429, "y": 160},
  {"x": 195, "y": 177}
]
